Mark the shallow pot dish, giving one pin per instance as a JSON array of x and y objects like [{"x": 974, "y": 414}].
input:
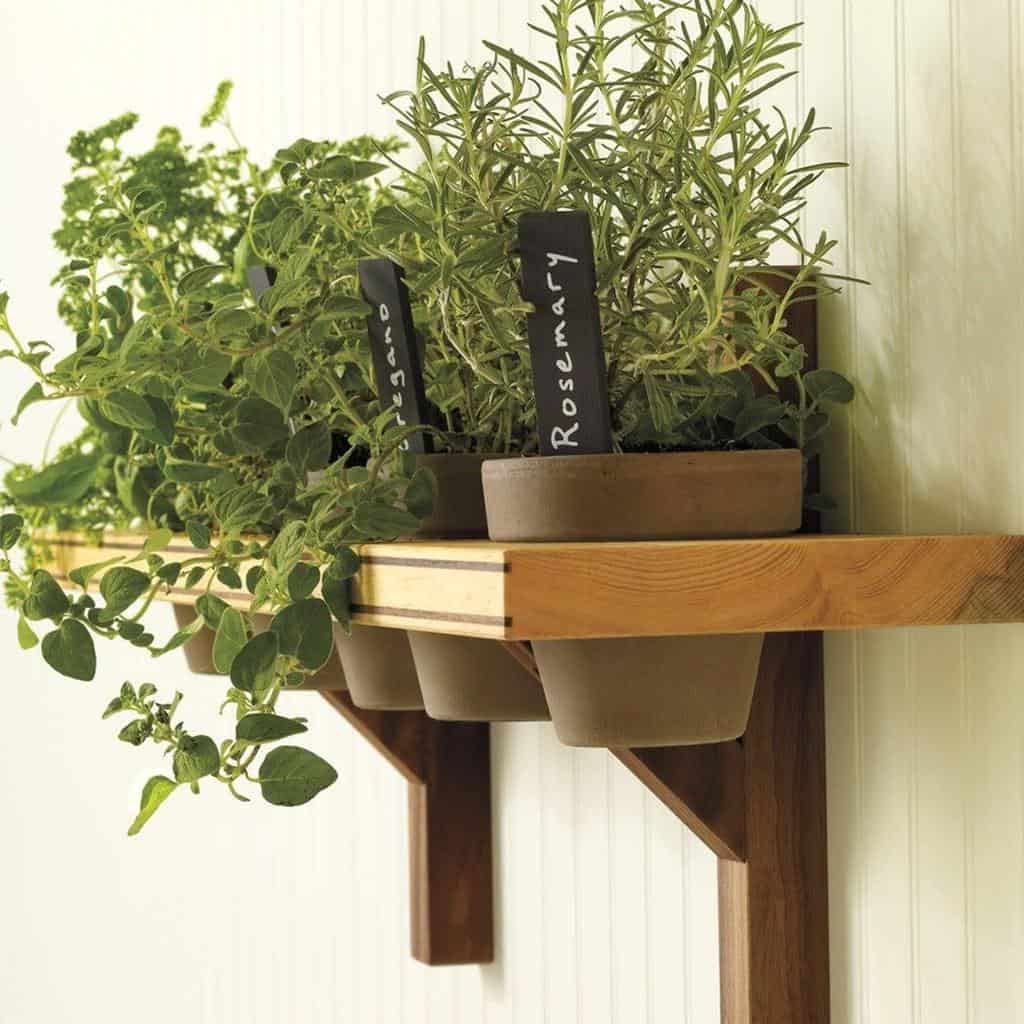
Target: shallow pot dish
[{"x": 646, "y": 691}]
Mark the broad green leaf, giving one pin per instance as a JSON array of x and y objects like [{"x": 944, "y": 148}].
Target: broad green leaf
[
  {"x": 195, "y": 758},
  {"x": 828, "y": 386},
  {"x": 190, "y": 472},
  {"x": 33, "y": 395},
  {"x": 154, "y": 793},
  {"x": 345, "y": 565},
  {"x": 229, "y": 577},
  {"x": 11, "y": 526},
  {"x": 200, "y": 277},
  {"x": 304, "y": 631},
  {"x": 262, "y": 728},
  {"x": 45, "y": 599},
  {"x": 157, "y": 541},
  {"x": 243, "y": 508},
  {"x": 302, "y": 581},
  {"x": 198, "y": 534},
  {"x": 84, "y": 573},
  {"x": 206, "y": 369},
  {"x": 385, "y": 522},
  {"x": 258, "y": 425},
  {"x": 162, "y": 431},
  {"x": 290, "y": 776},
  {"x": 211, "y": 609},
  {"x": 273, "y": 376},
  {"x": 337, "y": 593},
  {"x": 344, "y": 168},
  {"x": 230, "y": 638},
  {"x": 121, "y": 587},
  {"x": 288, "y": 547},
  {"x": 26, "y": 637},
  {"x": 70, "y": 650},
  {"x": 136, "y": 733},
  {"x": 421, "y": 493},
  {"x": 60, "y": 483},
  {"x": 128, "y": 409},
  {"x": 253, "y": 667},
  {"x": 309, "y": 450},
  {"x": 758, "y": 414},
  {"x": 118, "y": 299}
]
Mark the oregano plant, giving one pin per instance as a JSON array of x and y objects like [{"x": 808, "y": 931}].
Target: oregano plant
[{"x": 247, "y": 423}]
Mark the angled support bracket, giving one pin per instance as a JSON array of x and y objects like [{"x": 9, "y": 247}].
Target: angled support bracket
[
  {"x": 759, "y": 804},
  {"x": 448, "y": 768}
]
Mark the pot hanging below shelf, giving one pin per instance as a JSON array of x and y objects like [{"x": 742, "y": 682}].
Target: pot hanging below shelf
[{"x": 647, "y": 691}]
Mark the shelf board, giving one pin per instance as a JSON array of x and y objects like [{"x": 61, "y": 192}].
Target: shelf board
[{"x": 550, "y": 591}]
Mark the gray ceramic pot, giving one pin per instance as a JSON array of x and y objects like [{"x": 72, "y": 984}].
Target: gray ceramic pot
[
  {"x": 647, "y": 691},
  {"x": 465, "y": 679}
]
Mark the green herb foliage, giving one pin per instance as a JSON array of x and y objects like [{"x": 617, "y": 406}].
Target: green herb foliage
[
  {"x": 689, "y": 183},
  {"x": 211, "y": 413}
]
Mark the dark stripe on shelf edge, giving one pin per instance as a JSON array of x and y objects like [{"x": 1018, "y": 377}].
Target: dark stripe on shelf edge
[{"x": 411, "y": 613}]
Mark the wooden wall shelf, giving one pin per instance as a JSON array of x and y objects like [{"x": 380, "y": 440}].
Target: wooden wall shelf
[
  {"x": 757, "y": 802},
  {"x": 552, "y": 591}
]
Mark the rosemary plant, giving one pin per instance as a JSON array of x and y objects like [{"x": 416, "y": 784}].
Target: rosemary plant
[{"x": 647, "y": 115}]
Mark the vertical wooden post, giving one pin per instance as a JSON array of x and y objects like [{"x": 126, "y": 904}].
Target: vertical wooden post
[
  {"x": 448, "y": 768},
  {"x": 451, "y": 878},
  {"x": 773, "y": 906}
]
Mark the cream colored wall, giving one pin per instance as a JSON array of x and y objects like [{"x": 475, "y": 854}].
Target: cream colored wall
[{"x": 606, "y": 907}]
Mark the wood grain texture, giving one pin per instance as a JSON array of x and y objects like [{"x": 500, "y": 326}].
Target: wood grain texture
[
  {"x": 450, "y": 856},
  {"x": 703, "y": 786},
  {"x": 550, "y": 591},
  {"x": 773, "y": 907},
  {"x": 447, "y": 766}
]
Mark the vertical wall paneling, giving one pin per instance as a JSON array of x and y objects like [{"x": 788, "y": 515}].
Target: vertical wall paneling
[{"x": 605, "y": 906}]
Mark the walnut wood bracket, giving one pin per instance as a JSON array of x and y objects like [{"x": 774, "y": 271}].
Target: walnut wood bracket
[
  {"x": 759, "y": 804},
  {"x": 448, "y": 769}
]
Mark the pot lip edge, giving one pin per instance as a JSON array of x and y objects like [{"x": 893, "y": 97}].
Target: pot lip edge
[{"x": 509, "y": 463}]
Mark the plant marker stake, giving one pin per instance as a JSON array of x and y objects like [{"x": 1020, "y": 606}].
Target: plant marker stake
[
  {"x": 570, "y": 379},
  {"x": 394, "y": 348}
]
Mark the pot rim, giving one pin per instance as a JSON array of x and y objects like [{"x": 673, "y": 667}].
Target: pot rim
[{"x": 744, "y": 460}]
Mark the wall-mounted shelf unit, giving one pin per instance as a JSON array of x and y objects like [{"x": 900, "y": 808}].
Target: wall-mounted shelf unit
[{"x": 758, "y": 802}]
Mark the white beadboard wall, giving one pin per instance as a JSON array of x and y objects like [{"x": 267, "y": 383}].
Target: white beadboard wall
[{"x": 606, "y": 906}]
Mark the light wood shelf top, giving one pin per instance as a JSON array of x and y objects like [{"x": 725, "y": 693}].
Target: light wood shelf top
[{"x": 547, "y": 591}]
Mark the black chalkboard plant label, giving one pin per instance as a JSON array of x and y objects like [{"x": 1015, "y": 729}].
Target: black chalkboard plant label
[
  {"x": 566, "y": 349},
  {"x": 394, "y": 348}
]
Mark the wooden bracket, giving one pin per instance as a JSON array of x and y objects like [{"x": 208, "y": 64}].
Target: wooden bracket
[
  {"x": 759, "y": 804},
  {"x": 448, "y": 769}
]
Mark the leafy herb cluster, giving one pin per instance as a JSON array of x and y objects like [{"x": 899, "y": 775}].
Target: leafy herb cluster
[
  {"x": 248, "y": 424},
  {"x": 688, "y": 183},
  {"x": 251, "y": 423}
]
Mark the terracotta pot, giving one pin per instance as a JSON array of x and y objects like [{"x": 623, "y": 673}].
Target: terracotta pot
[
  {"x": 199, "y": 649},
  {"x": 646, "y": 691},
  {"x": 465, "y": 679},
  {"x": 673, "y": 496},
  {"x": 468, "y": 680},
  {"x": 379, "y": 668}
]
